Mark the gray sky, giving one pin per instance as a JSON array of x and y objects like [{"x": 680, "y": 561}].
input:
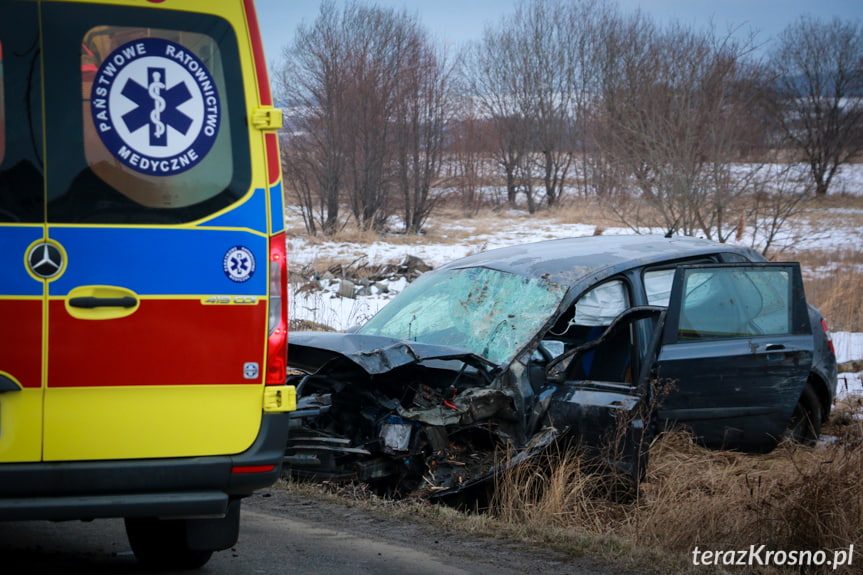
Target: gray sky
[{"x": 458, "y": 21}]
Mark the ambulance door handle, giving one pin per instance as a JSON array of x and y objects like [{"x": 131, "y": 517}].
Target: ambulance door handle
[
  {"x": 99, "y": 302},
  {"x": 94, "y": 302}
]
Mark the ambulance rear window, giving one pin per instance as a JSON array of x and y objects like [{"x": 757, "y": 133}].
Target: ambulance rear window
[
  {"x": 153, "y": 131},
  {"x": 21, "y": 155}
]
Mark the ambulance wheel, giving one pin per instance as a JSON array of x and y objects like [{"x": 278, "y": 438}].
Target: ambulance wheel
[{"x": 162, "y": 544}]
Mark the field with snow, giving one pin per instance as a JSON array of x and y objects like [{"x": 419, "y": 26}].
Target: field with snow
[{"x": 831, "y": 229}]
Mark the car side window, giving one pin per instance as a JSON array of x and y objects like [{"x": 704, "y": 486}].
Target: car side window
[
  {"x": 729, "y": 303},
  {"x": 600, "y": 305},
  {"x": 21, "y": 159},
  {"x": 2, "y": 109},
  {"x": 732, "y": 258},
  {"x": 613, "y": 356},
  {"x": 145, "y": 149},
  {"x": 657, "y": 284},
  {"x": 657, "y": 281}
]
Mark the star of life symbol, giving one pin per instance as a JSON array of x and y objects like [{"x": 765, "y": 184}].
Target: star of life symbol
[
  {"x": 239, "y": 264},
  {"x": 251, "y": 370},
  {"x": 155, "y": 106}
]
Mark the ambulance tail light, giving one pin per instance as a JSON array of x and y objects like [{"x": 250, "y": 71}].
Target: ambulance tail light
[{"x": 277, "y": 343}]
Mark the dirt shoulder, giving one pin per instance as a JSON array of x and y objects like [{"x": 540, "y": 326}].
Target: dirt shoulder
[{"x": 470, "y": 552}]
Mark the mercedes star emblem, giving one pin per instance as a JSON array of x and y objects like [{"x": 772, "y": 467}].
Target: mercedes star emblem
[{"x": 45, "y": 260}]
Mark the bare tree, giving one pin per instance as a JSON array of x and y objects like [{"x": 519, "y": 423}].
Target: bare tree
[
  {"x": 489, "y": 78},
  {"x": 819, "y": 77},
  {"x": 380, "y": 43},
  {"x": 422, "y": 113},
  {"x": 312, "y": 81},
  {"x": 675, "y": 117},
  {"x": 469, "y": 158},
  {"x": 542, "y": 46},
  {"x": 775, "y": 197},
  {"x": 533, "y": 76},
  {"x": 372, "y": 104}
]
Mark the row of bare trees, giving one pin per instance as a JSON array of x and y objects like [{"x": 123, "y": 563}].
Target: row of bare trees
[
  {"x": 568, "y": 98},
  {"x": 370, "y": 99}
]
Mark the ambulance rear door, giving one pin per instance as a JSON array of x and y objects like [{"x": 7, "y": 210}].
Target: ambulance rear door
[{"x": 157, "y": 319}]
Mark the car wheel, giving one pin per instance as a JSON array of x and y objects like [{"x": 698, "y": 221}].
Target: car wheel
[
  {"x": 161, "y": 544},
  {"x": 805, "y": 424}
]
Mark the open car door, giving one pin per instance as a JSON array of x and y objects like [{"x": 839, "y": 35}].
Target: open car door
[
  {"x": 605, "y": 403},
  {"x": 728, "y": 358},
  {"x": 736, "y": 352}
]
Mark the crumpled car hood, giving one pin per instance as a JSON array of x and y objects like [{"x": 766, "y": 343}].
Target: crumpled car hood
[
  {"x": 415, "y": 417},
  {"x": 310, "y": 351}
]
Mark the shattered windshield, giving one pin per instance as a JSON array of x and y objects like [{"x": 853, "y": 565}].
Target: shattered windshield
[{"x": 483, "y": 311}]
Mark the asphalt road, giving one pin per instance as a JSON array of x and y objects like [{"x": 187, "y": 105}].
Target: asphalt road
[{"x": 281, "y": 534}]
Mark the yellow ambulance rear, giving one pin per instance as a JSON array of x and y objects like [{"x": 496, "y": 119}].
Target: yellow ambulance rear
[{"x": 143, "y": 269}]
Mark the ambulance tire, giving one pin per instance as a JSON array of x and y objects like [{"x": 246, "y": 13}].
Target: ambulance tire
[{"x": 162, "y": 544}]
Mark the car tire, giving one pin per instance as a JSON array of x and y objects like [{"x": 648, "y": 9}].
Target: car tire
[
  {"x": 161, "y": 544},
  {"x": 805, "y": 424}
]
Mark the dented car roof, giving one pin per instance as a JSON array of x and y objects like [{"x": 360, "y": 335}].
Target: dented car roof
[{"x": 570, "y": 260}]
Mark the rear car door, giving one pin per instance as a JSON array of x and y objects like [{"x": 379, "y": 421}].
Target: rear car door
[
  {"x": 150, "y": 200},
  {"x": 736, "y": 352}
]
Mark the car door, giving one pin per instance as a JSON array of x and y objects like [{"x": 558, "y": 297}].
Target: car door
[
  {"x": 607, "y": 406},
  {"x": 736, "y": 352}
]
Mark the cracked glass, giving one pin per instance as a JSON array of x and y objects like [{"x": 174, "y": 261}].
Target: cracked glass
[{"x": 486, "y": 312}]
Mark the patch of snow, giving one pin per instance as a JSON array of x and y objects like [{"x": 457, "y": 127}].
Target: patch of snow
[
  {"x": 849, "y": 346},
  {"x": 849, "y": 384}
]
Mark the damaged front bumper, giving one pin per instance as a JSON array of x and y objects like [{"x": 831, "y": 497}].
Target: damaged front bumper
[{"x": 406, "y": 418}]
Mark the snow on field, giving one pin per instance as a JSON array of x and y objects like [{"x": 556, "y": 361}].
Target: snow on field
[{"x": 849, "y": 346}]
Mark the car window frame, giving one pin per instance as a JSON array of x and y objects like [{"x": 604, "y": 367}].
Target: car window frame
[{"x": 799, "y": 321}]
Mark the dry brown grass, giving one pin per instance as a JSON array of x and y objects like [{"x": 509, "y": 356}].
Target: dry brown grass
[
  {"x": 583, "y": 211},
  {"x": 791, "y": 499},
  {"x": 834, "y": 284},
  {"x": 554, "y": 491}
]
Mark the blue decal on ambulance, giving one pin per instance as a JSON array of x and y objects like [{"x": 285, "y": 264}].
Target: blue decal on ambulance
[
  {"x": 239, "y": 264},
  {"x": 155, "y": 106}
]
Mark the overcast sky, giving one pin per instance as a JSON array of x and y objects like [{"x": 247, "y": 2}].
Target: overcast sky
[{"x": 458, "y": 21}]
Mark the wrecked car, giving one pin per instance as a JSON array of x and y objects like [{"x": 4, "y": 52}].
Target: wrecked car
[{"x": 600, "y": 342}]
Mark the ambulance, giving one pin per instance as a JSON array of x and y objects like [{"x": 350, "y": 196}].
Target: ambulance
[{"x": 143, "y": 316}]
